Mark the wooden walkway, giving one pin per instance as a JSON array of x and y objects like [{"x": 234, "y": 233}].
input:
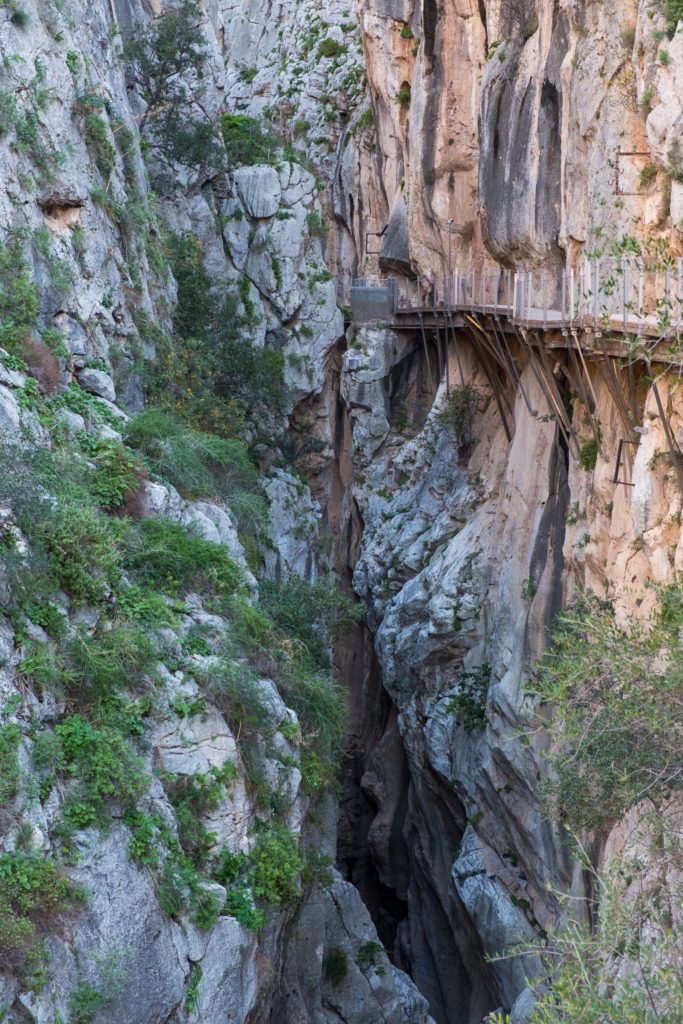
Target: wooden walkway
[
  {"x": 633, "y": 307},
  {"x": 617, "y": 316}
]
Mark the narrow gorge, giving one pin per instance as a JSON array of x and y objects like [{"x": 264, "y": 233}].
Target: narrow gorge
[{"x": 340, "y": 511}]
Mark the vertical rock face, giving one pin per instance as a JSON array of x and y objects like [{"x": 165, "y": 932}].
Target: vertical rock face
[{"x": 436, "y": 133}]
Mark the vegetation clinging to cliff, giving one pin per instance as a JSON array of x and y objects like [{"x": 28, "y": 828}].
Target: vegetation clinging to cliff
[
  {"x": 615, "y": 694},
  {"x": 210, "y": 373}
]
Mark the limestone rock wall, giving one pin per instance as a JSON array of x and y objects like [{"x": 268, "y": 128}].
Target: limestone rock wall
[{"x": 92, "y": 242}]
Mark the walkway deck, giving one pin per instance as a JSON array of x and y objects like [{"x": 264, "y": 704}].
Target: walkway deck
[
  {"x": 630, "y": 304},
  {"x": 612, "y": 314}
]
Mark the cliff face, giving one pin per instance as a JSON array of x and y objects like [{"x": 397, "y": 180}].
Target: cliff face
[{"x": 428, "y": 134}]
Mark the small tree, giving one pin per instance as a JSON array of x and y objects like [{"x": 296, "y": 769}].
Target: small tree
[{"x": 167, "y": 62}]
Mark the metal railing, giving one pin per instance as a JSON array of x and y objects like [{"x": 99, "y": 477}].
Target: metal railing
[{"x": 618, "y": 294}]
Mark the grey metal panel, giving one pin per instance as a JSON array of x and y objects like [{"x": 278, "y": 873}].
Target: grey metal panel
[{"x": 372, "y": 303}]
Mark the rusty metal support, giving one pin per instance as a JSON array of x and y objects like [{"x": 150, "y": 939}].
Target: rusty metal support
[{"x": 620, "y": 452}]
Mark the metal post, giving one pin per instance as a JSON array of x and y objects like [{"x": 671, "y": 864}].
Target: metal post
[
  {"x": 596, "y": 294},
  {"x": 515, "y": 289},
  {"x": 528, "y": 297},
  {"x": 640, "y": 291},
  {"x": 564, "y": 296},
  {"x": 667, "y": 288},
  {"x": 626, "y": 292},
  {"x": 450, "y": 256},
  {"x": 572, "y": 288},
  {"x": 679, "y": 281},
  {"x": 544, "y": 289}
]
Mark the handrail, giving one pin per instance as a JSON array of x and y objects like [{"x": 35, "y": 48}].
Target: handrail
[{"x": 627, "y": 294}]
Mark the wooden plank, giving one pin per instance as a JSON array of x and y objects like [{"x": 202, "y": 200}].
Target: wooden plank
[
  {"x": 485, "y": 341},
  {"x": 507, "y": 355},
  {"x": 426, "y": 353},
  {"x": 495, "y": 386}
]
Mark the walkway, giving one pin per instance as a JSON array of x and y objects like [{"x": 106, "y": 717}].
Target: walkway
[
  {"x": 612, "y": 309},
  {"x": 607, "y": 296}
]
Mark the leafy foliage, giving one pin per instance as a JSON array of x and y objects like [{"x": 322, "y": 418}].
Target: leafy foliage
[
  {"x": 615, "y": 694},
  {"x": 588, "y": 454},
  {"x": 246, "y": 143},
  {"x": 118, "y": 474},
  {"x": 165, "y": 556},
  {"x": 335, "y": 965},
  {"x": 10, "y": 737},
  {"x": 18, "y": 297},
  {"x": 102, "y": 761},
  {"x": 167, "y": 61},
  {"x": 469, "y": 704},
  {"x": 312, "y": 613},
  {"x": 211, "y": 374},
  {"x": 98, "y": 142},
  {"x": 627, "y": 969},
  {"x": 459, "y": 411},
  {"x": 200, "y": 465},
  {"x": 33, "y": 893}
]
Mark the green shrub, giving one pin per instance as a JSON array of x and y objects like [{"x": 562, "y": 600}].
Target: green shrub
[
  {"x": 18, "y": 296},
  {"x": 459, "y": 411},
  {"x": 647, "y": 175},
  {"x": 404, "y": 96},
  {"x": 246, "y": 143},
  {"x": 330, "y": 48},
  {"x": 194, "y": 796},
  {"x": 673, "y": 12},
  {"x": 98, "y": 142},
  {"x": 235, "y": 689},
  {"x": 275, "y": 866},
  {"x": 20, "y": 18},
  {"x": 240, "y": 905},
  {"x": 316, "y": 225},
  {"x": 335, "y": 965},
  {"x": 104, "y": 764},
  {"x": 200, "y": 465},
  {"x": 192, "y": 990},
  {"x": 104, "y": 664},
  {"x": 33, "y": 894},
  {"x": 311, "y": 613},
  {"x": 469, "y": 704},
  {"x": 82, "y": 402},
  {"x": 625, "y": 968},
  {"x": 210, "y": 373},
  {"x": 8, "y": 111},
  {"x": 164, "y": 555},
  {"x": 118, "y": 474},
  {"x": 145, "y": 606},
  {"x": 308, "y": 689},
  {"x": 83, "y": 552},
  {"x": 615, "y": 695},
  {"x": 588, "y": 454},
  {"x": 10, "y": 737},
  {"x": 167, "y": 61},
  {"x": 143, "y": 846},
  {"x": 84, "y": 1003}
]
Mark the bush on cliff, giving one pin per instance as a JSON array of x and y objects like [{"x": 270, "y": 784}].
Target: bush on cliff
[
  {"x": 614, "y": 694},
  {"x": 210, "y": 374},
  {"x": 167, "y": 61}
]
